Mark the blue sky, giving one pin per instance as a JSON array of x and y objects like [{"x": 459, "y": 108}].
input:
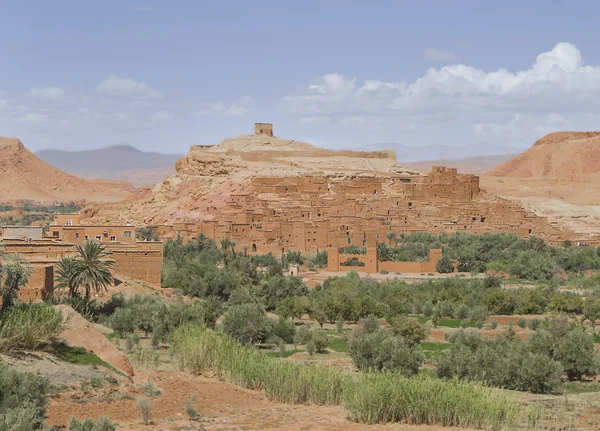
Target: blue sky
[{"x": 164, "y": 75}]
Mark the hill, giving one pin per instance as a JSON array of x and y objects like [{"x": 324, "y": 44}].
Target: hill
[
  {"x": 25, "y": 176},
  {"x": 208, "y": 174},
  {"x": 126, "y": 163},
  {"x": 468, "y": 165},
  {"x": 565, "y": 156}
]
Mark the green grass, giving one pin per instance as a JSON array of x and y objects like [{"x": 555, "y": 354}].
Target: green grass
[
  {"x": 286, "y": 354},
  {"x": 338, "y": 344},
  {"x": 435, "y": 346},
  {"x": 367, "y": 397},
  {"x": 447, "y": 323},
  {"x": 80, "y": 356},
  {"x": 581, "y": 387}
]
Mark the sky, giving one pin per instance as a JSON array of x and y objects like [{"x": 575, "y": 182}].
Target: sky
[{"x": 164, "y": 75}]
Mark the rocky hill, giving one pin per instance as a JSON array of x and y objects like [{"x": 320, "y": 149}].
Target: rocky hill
[
  {"x": 209, "y": 173},
  {"x": 565, "y": 156},
  {"x": 123, "y": 162},
  {"x": 25, "y": 176}
]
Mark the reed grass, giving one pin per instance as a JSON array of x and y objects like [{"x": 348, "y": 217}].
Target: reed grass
[
  {"x": 29, "y": 326},
  {"x": 367, "y": 397}
]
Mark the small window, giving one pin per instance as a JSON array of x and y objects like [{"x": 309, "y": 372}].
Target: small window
[
  {"x": 99, "y": 238},
  {"x": 113, "y": 238},
  {"x": 127, "y": 234},
  {"x": 87, "y": 237},
  {"x": 69, "y": 222},
  {"x": 76, "y": 234}
]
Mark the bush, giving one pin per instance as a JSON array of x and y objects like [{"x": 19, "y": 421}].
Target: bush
[
  {"x": 577, "y": 353},
  {"x": 190, "y": 408},
  {"x": 533, "y": 324},
  {"x": 122, "y": 322},
  {"x": 284, "y": 329},
  {"x": 246, "y": 323},
  {"x": 381, "y": 350},
  {"x": 445, "y": 265},
  {"x": 145, "y": 406},
  {"x": 409, "y": 329},
  {"x": 494, "y": 324},
  {"x": 23, "y": 399},
  {"x": 522, "y": 323},
  {"x": 384, "y": 271},
  {"x": 29, "y": 326},
  {"x": 103, "y": 424},
  {"x": 320, "y": 340}
]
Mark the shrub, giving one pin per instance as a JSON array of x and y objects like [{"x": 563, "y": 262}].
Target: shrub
[
  {"x": 145, "y": 406},
  {"x": 132, "y": 341},
  {"x": 29, "y": 326},
  {"x": 303, "y": 335},
  {"x": 246, "y": 323},
  {"x": 409, "y": 329},
  {"x": 577, "y": 353},
  {"x": 371, "y": 323},
  {"x": 146, "y": 358},
  {"x": 384, "y": 271},
  {"x": 284, "y": 329},
  {"x": 478, "y": 315},
  {"x": 522, "y": 323},
  {"x": 311, "y": 348},
  {"x": 533, "y": 324},
  {"x": 122, "y": 322},
  {"x": 320, "y": 340},
  {"x": 190, "y": 408},
  {"x": 103, "y": 424},
  {"x": 381, "y": 350},
  {"x": 494, "y": 324},
  {"x": 445, "y": 265},
  {"x": 150, "y": 390},
  {"x": 23, "y": 399}
]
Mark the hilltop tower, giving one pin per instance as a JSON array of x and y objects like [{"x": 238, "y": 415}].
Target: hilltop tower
[{"x": 263, "y": 129}]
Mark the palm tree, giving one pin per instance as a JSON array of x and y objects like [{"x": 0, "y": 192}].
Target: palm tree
[
  {"x": 225, "y": 244},
  {"x": 233, "y": 244},
  {"x": 66, "y": 275},
  {"x": 391, "y": 235},
  {"x": 245, "y": 249},
  {"x": 16, "y": 271},
  {"x": 92, "y": 272}
]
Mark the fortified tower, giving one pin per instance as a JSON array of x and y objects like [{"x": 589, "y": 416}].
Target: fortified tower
[{"x": 263, "y": 129}]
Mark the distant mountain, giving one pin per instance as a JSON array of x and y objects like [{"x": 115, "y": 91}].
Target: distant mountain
[
  {"x": 467, "y": 165},
  {"x": 25, "y": 176},
  {"x": 409, "y": 153},
  {"x": 120, "y": 162}
]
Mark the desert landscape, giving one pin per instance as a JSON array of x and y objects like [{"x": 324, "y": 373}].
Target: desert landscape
[{"x": 311, "y": 216}]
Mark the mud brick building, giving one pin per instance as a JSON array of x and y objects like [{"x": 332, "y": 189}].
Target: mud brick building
[
  {"x": 139, "y": 260},
  {"x": 316, "y": 212}
]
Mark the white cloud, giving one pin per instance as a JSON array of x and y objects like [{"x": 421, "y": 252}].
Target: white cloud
[
  {"x": 437, "y": 55},
  {"x": 162, "y": 117},
  {"x": 48, "y": 93},
  {"x": 126, "y": 87},
  {"x": 557, "y": 82},
  {"x": 33, "y": 118},
  {"x": 238, "y": 108},
  {"x": 314, "y": 121}
]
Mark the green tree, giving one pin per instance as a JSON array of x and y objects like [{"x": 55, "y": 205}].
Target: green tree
[
  {"x": 246, "y": 323},
  {"x": 409, "y": 329},
  {"x": 444, "y": 265},
  {"x": 577, "y": 354},
  {"x": 147, "y": 233},
  {"x": 66, "y": 275},
  {"x": 16, "y": 273},
  {"x": 93, "y": 271}
]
